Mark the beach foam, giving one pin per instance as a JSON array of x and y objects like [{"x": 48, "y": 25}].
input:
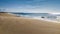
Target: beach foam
[{"x": 54, "y": 21}]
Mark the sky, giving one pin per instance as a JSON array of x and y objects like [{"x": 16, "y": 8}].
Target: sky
[{"x": 31, "y": 6}]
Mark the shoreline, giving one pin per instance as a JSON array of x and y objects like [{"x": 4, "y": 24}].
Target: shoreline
[
  {"x": 22, "y": 25},
  {"x": 54, "y": 21}
]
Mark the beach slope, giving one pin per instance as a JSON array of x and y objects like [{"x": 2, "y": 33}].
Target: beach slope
[{"x": 20, "y": 25}]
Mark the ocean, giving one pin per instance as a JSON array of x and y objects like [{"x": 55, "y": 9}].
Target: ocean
[
  {"x": 40, "y": 16},
  {"x": 37, "y": 15}
]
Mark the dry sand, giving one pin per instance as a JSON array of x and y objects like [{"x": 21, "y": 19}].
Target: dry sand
[{"x": 20, "y": 25}]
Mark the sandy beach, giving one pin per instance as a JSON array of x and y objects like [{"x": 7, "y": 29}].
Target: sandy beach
[{"x": 10, "y": 24}]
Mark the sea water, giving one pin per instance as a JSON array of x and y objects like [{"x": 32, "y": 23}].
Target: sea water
[{"x": 40, "y": 16}]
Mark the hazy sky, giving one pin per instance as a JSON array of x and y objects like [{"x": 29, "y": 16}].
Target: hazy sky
[{"x": 36, "y": 6}]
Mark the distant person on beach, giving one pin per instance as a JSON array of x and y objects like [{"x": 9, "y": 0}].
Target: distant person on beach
[{"x": 42, "y": 17}]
